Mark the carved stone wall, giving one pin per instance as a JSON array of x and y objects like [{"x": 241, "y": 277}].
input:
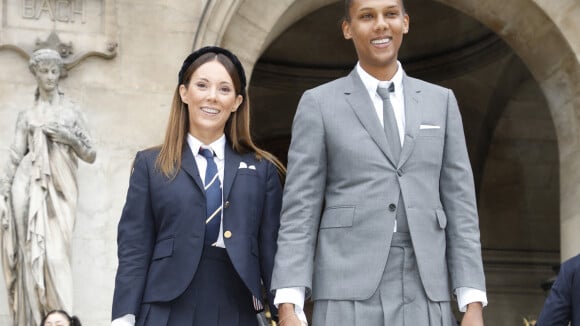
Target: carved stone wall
[{"x": 127, "y": 98}]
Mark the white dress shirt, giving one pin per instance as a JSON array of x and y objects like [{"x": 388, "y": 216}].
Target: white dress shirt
[
  {"x": 465, "y": 295},
  {"x": 218, "y": 147}
]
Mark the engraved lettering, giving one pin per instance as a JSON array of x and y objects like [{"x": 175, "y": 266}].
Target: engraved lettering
[
  {"x": 45, "y": 7},
  {"x": 28, "y": 10},
  {"x": 64, "y": 11},
  {"x": 78, "y": 8}
]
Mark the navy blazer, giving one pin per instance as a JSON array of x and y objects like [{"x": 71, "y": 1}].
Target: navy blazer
[
  {"x": 162, "y": 227},
  {"x": 563, "y": 303}
]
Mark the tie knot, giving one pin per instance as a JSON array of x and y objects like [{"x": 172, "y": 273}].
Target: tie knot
[
  {"x": 206, "y": 152},
  {"x": 384, "y": 91}
]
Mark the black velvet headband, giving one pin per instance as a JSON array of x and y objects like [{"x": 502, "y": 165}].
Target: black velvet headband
[{"x": 217, "y": 50}]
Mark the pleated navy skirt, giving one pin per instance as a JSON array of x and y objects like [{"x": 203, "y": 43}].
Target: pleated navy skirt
[{"x": 216, "y": 296}]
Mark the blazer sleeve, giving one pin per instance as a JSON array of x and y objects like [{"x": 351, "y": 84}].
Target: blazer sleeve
[
  {"x": 269, "y": 226},
  {"x": 135, "y": 240},
  {"x": 457, "y": 191},
  {"x": 303, "y": 198},
  {"x": 557, "y": 309}
]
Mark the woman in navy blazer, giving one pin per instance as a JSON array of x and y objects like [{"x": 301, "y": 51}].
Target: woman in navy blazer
[{"x": 171, "y": 270}]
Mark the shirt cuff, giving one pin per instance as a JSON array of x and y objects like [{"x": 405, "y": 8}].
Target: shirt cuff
[
  {"x": 295, "y": 296},
  {"x": 467, "y": 295},
  {"x": 127, "y": 320}
]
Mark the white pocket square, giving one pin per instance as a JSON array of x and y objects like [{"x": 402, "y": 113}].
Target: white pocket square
[
  {"x": 429, "y": 127},
  {"x": 243, "y": 165}
]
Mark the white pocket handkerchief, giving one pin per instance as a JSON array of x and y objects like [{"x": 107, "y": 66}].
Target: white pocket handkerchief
[
  {"x": 243, "y": 165},
  {"x": 429, "y": 127}
]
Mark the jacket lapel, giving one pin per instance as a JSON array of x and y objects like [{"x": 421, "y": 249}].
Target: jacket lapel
[
  {"x": 231, "y": 164},
  {"x": 412, "y": 116},
  {"x": 189, "y": 165},
  {"x": 359, "y": 101}
]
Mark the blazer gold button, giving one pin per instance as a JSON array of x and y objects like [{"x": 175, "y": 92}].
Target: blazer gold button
[
  {"x": 227, "y": 204},
  {"x": 227, "y": 234}
]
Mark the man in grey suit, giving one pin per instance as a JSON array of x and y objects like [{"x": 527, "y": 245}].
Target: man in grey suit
[{"x": 379, "y": 220}]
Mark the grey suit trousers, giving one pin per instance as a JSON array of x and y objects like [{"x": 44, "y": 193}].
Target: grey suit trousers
[{"x": 398, "y": 301}]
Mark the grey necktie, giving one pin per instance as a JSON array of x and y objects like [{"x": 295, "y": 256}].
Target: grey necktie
[
  {"x": 390, "y": 122},
  {"x": 393, "y": 139}
]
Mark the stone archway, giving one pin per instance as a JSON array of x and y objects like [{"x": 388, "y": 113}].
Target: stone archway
[
  {"x": 544, "y": 37},
  {"x": 541, "y": 32}
]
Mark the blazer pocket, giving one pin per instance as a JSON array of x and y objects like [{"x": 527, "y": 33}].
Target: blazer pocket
[
  {"x": 441, "y": 218},
  {"x": 163, "y": 248},
  {"x": 431, "y": 132},
  {"x": 337, "y": 217},
  {"x": 247, "y": 172}
]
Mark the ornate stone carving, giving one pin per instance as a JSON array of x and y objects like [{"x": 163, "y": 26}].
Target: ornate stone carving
[
  {"x": 88, "y": 28},
  {"x": 38, "y": 196}
]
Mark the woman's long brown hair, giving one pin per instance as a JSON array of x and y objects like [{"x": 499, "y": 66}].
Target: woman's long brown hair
[{"x": 237, "y": 129}]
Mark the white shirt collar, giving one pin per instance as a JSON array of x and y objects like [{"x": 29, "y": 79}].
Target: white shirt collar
[
  {"x": 218, "y": 146},
  {"x": 371, "y": 83}
]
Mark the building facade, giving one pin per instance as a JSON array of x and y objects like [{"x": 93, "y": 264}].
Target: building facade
[{"x": 514, "y": 66}]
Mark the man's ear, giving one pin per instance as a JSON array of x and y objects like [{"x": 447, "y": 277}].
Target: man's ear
[{"x": 346, "y": 30}]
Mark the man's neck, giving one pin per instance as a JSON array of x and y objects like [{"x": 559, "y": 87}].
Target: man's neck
[{"x": 381, "y": 72}]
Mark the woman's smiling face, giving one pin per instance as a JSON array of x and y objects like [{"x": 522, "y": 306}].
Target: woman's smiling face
[{"x": 211, "y": 98}]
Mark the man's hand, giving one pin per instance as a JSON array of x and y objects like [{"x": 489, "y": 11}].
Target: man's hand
[
  {"x": 287, "y": 316},
  {"x": 473, "y": 315}
]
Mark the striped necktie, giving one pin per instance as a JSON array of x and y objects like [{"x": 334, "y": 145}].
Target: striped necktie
[{"x": 213, "y": 198}]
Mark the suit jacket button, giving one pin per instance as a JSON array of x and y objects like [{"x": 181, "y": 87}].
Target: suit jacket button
[
  {"x": 392, "y": 207},
  {"x": 227, "y": 204},
  {"x": 400, "y": 172},
  {"x": 227, "y": 234}
]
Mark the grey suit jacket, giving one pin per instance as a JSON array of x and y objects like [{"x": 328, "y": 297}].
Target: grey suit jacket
[{"x": 337, "y": 213}]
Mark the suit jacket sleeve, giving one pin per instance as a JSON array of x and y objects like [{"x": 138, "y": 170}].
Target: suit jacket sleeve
[
  {"x": 303, "y": 197},
  {"x": 457, "y": 193},
  {"x": 269, "y": 226},
  {"x": 557, "y": 309},
  {"x": 135, "y": 242}
]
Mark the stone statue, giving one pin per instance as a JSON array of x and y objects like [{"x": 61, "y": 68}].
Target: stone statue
[{"x": 38, "y": 196}]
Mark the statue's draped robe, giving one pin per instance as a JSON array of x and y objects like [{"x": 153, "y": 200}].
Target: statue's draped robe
[{"x": 37, "y": 240}]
